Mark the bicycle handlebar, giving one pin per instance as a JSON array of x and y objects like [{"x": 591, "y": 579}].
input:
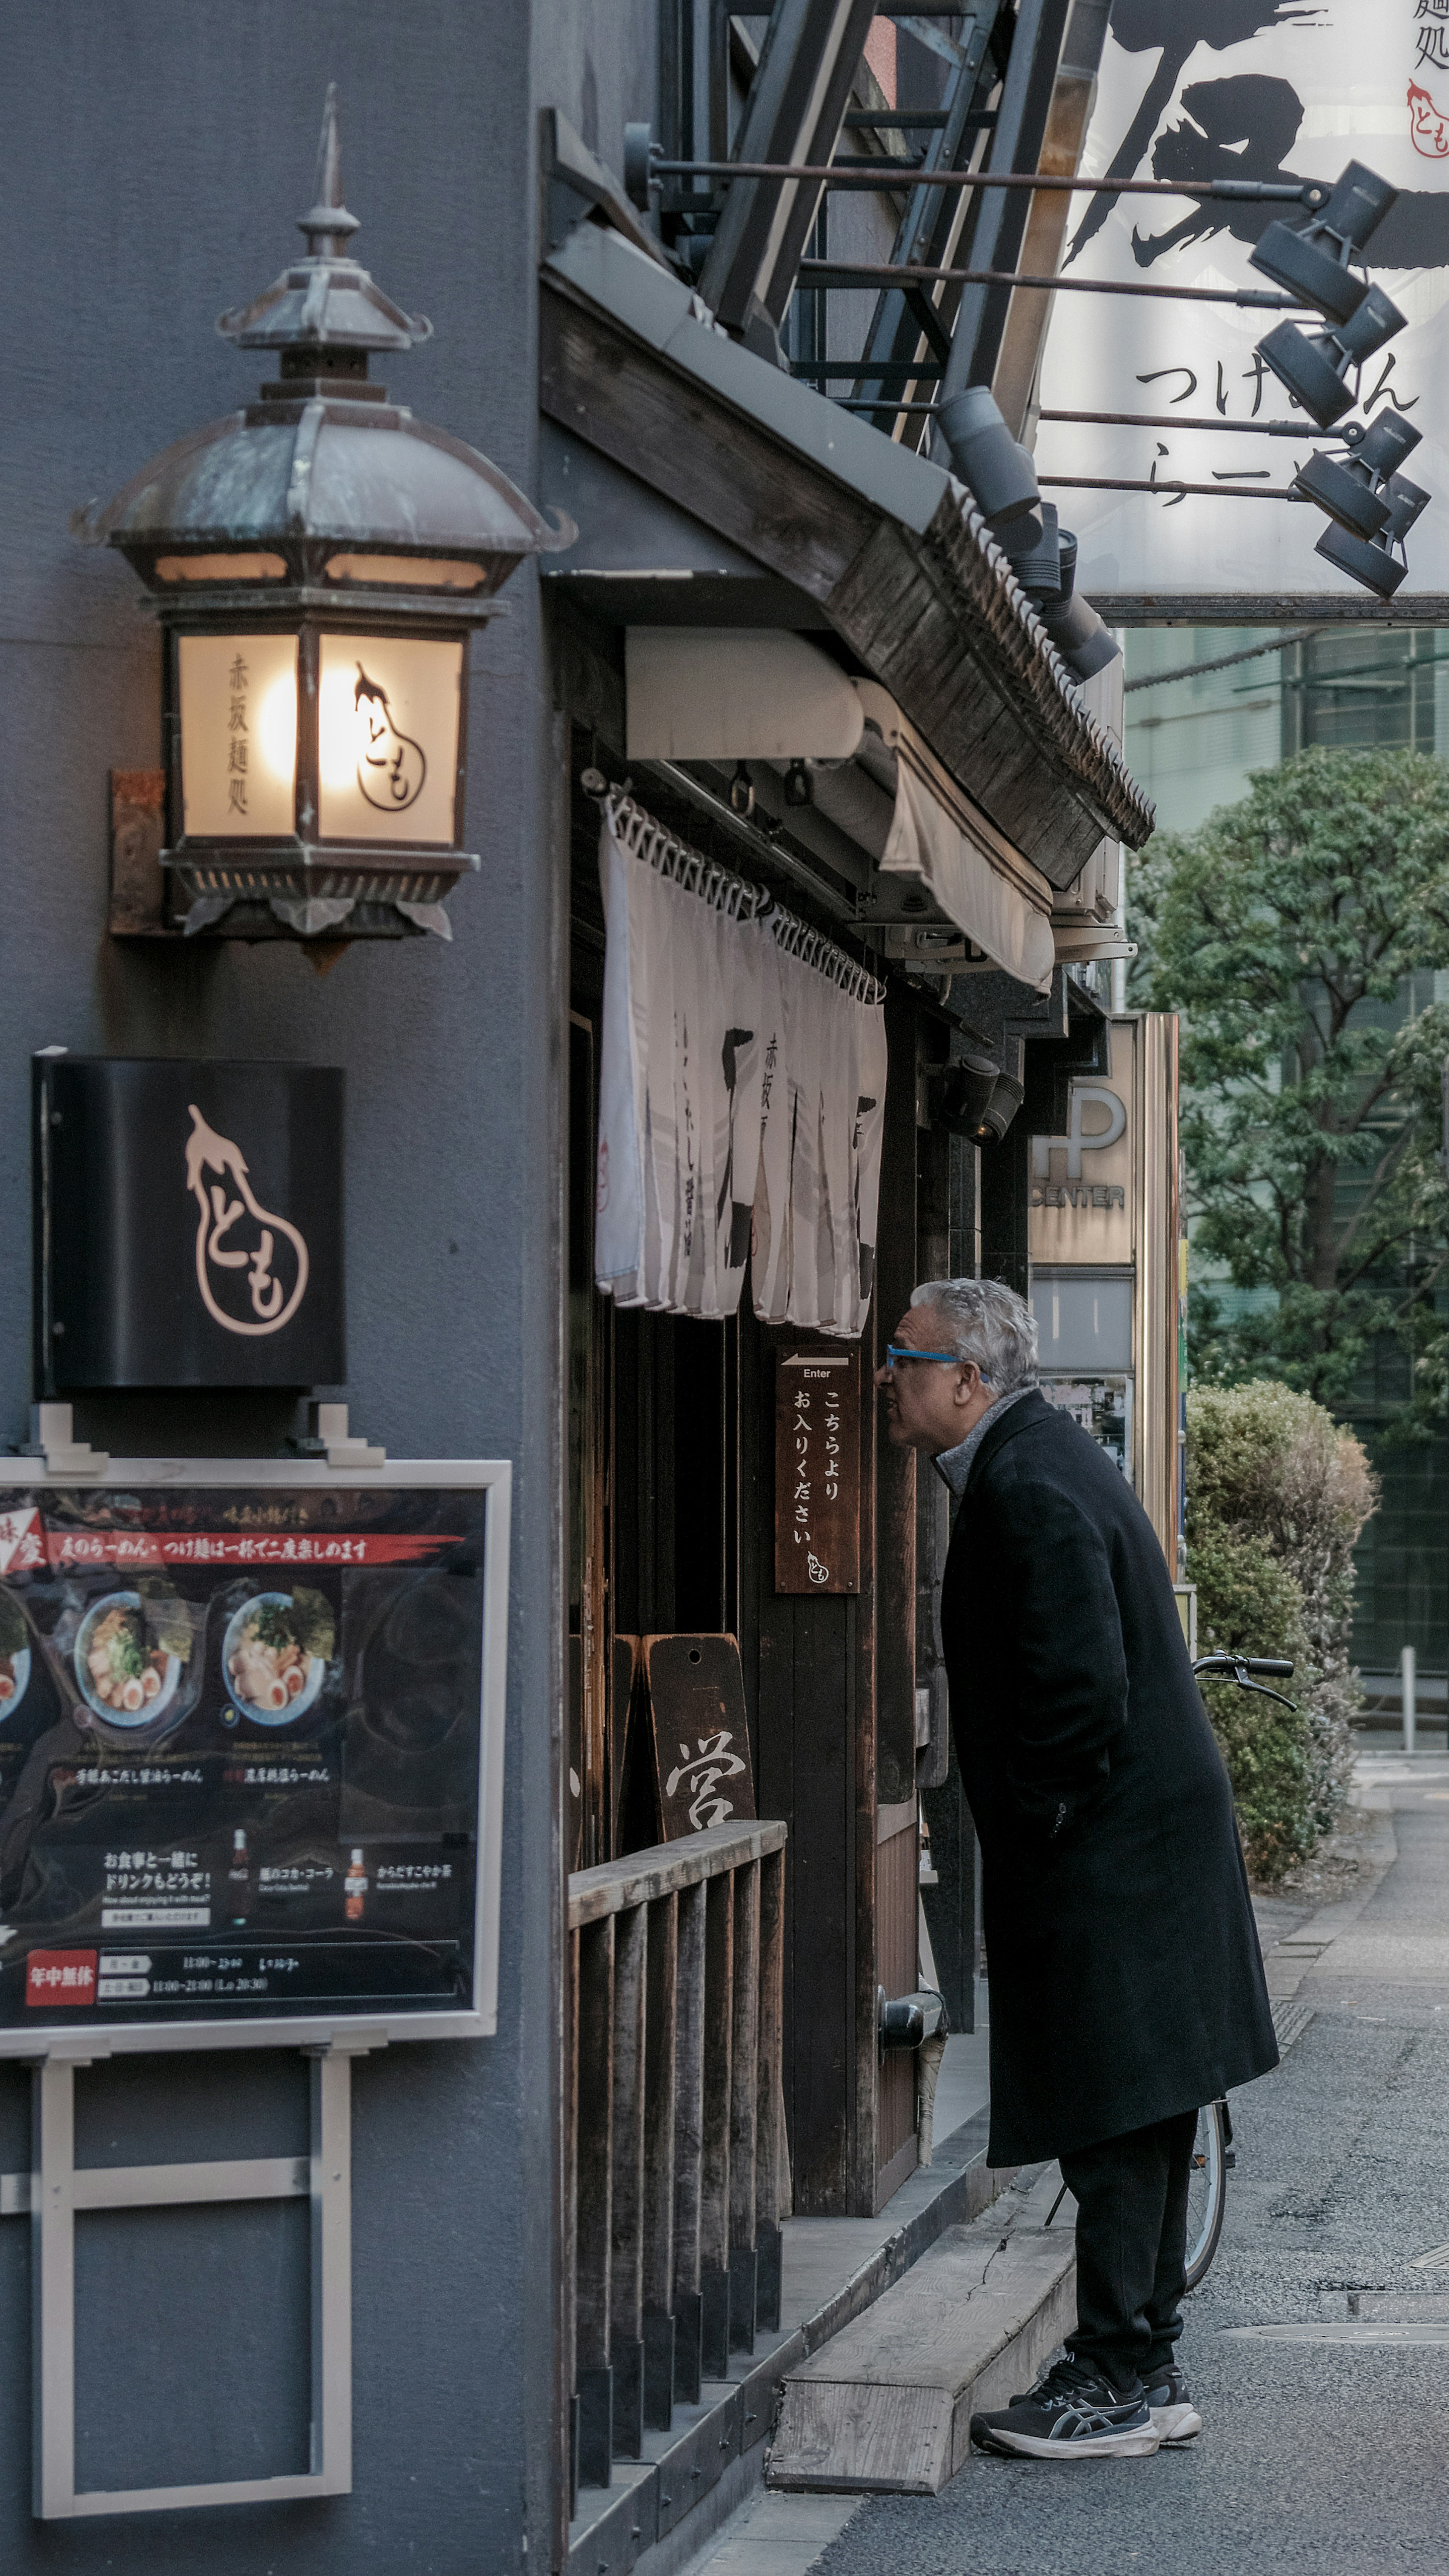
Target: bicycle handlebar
[
  {"x": 1273, "y": 1664},
  {"x": 1242, "y": 1666}
]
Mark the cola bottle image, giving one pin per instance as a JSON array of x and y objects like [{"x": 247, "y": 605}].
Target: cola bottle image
[
  {"x": 354, "y": 1888},
  {"x": 239, "y": 1879}
]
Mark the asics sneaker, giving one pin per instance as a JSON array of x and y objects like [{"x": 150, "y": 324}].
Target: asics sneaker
[
  {"x": 1070, "y": 2415},
  {"x": 1172, "y": 2409}
]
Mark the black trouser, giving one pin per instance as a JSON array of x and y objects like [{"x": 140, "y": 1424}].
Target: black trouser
[{"x": 1131, "y": 2196}]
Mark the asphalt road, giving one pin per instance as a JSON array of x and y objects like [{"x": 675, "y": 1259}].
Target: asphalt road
[{"x": 1318, "y": 2452}]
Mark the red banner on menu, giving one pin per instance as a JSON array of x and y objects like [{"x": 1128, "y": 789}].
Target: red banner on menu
[
  {"x": 24, "y": 1545},
  {"x": 60, "y": 1977}
]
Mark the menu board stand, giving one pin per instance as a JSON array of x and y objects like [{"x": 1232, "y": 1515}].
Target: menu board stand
[
  {"x": 251, "y": 1775},
  {"x": 55, "y": 2189}
]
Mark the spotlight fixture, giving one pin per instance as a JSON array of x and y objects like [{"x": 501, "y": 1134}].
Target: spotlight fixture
[
  {"x": 742, "y": 791},
  {"x": 1354, "y": 490},
  {"x": 994, "y": 466},
  {"x": 1379, "y": 563},
  {"x": 1035, "y": 555},
  {"x": 1084, "y": 643},
  {"x": 1313, "y": 369},
  {"x": 798, "y": 789},
  {"x": 1312, "y": 261},
  {"x": 963, "y": 1092}
]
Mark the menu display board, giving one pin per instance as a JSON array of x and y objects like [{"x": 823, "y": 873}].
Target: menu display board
[{"x": 251, "y": 1726}]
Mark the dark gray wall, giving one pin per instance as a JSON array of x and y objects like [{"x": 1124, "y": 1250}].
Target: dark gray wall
[{"x": 157, "y": 157}]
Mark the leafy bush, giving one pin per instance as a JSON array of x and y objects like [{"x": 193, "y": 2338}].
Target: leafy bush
[{"x": 1277, "y": 1494}]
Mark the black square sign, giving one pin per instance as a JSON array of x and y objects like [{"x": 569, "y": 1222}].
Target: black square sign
[{"x": 188, "y": 1223}]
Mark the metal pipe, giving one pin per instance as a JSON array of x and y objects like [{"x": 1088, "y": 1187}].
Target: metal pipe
[
  {"x": 864, "y": 272},
  {"x": 1407, "y": 1682},
  {"x": 1181, "y": 420},
  {"x": 1119, "y": 483},
  {"x": 1107, "y": 419},
  {"x": 845, "y": 174}
]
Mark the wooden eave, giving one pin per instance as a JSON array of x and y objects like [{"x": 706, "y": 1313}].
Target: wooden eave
[{"x": 886, "y": 544}]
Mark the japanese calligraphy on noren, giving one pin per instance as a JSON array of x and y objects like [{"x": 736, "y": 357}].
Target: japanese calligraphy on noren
[{"x": 817, "y": 1470}]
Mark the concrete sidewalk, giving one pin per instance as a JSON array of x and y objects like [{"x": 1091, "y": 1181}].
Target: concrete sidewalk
[{"x": 1318, "y": 2348}]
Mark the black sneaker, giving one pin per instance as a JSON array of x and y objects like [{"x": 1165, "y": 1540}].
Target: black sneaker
[
  {"x": 1172, "y": 2409},
  {"x": 1070, "y": 2415}
]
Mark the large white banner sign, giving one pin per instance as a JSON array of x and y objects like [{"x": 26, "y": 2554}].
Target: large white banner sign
[{"x": 1281, "y": 90}]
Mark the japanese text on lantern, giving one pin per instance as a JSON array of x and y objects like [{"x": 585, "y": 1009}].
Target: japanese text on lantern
[
  {"x": 238, "y": 740},
  {"x": 817, "y": 1471}
]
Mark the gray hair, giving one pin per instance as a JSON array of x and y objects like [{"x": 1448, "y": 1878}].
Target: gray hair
[{"x": 986, "y": 1323}]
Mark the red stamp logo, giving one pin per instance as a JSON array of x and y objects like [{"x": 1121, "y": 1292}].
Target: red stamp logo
[{"x": 60, "y": 1978}]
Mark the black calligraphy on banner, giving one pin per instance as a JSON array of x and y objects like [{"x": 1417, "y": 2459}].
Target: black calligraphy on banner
[{"x": 1248, "y": 124}]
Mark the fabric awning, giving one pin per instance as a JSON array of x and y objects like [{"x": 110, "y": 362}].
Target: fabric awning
[{"x": 980, "y": 882}]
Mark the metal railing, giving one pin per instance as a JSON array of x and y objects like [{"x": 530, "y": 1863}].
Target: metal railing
[{"x": 678, "y": 2168}]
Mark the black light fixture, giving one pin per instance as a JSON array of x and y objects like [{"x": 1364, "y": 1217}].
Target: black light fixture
[
  {"x": 973, "y": 1098},
  {"x": 1035, "y": 554},
  {"x": 1312, "y": 260},
  {"x": 798, "y": 787},
  {"x": 994, "y": 466},
  {"x": 963, "y": 1092},
  {"x": 1042, "y": 554},
  {"x": 1378, "y": 562},
  {"x": 1313, "y": 367},
  {"x": 317, "y": 561},
  {"x": 1354, "y": 489},
  {"x": 1084, "y": 643}
]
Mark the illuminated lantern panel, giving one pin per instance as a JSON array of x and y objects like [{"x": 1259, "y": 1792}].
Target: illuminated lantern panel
[
  {"x": 238, "y": 735},
  {"x": 387, "y": 737},
  {"x": 319, "y": 559}
]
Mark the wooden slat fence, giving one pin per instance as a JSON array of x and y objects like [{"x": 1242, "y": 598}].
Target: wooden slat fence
[{"x": 679, "y": 2171}]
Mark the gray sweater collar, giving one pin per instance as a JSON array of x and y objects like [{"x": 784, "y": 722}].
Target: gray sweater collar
[{"x": 953, "y": 1466}]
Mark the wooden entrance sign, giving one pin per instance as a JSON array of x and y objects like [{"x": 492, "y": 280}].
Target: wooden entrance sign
[
  {"x": 696, "y": 1694},
  {"x": 817, "y": 1469}
]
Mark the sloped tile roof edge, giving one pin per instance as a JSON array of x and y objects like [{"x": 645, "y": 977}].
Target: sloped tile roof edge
[
  {"x": 661, "y": 311},
  {"x": 1039, "y": 677}
]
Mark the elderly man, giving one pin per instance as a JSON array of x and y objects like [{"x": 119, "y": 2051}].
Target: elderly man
[{"x": 1126, "y": 1979}]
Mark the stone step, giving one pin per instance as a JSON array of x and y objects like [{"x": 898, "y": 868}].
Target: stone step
[{"x": 887, "y": 2405}]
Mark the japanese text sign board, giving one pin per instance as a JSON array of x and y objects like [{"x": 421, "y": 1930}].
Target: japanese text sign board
[
  {"x": 701, "y": 1736},
  {"x": 1272, "y": 91},
  {"x": 251, "y": 1746},
  {"x": 817, "y": 1470},
  {"x": 188, "y": 1223}
]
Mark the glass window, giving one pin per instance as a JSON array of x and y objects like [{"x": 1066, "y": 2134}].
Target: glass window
[{"x": 1083, "y": 1319}]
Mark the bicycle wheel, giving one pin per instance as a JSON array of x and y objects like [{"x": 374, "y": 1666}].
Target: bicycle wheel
[{"x": 1207, "y": 2193}]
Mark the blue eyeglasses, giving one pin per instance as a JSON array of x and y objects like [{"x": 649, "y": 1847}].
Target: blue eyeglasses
[{"x": 907, "y": 1351}]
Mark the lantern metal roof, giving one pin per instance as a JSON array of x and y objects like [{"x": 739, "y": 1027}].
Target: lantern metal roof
[{"x": 322, "y": 462}]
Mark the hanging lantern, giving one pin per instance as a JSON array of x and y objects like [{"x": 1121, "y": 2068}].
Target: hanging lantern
[{"x": 318, "y": 561}]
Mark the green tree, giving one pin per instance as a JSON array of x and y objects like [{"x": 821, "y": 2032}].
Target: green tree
[{"x": 1311, "y": 1126}]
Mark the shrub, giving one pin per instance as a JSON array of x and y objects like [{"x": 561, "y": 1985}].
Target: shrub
[{"x": 1276, "y": 1496}]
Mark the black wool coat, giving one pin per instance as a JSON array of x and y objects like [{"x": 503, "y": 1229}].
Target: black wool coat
[{"x": 1126, "y": 1979}]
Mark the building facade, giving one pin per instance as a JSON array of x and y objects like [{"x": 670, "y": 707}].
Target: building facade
[{"x": 699, "y": 490}]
